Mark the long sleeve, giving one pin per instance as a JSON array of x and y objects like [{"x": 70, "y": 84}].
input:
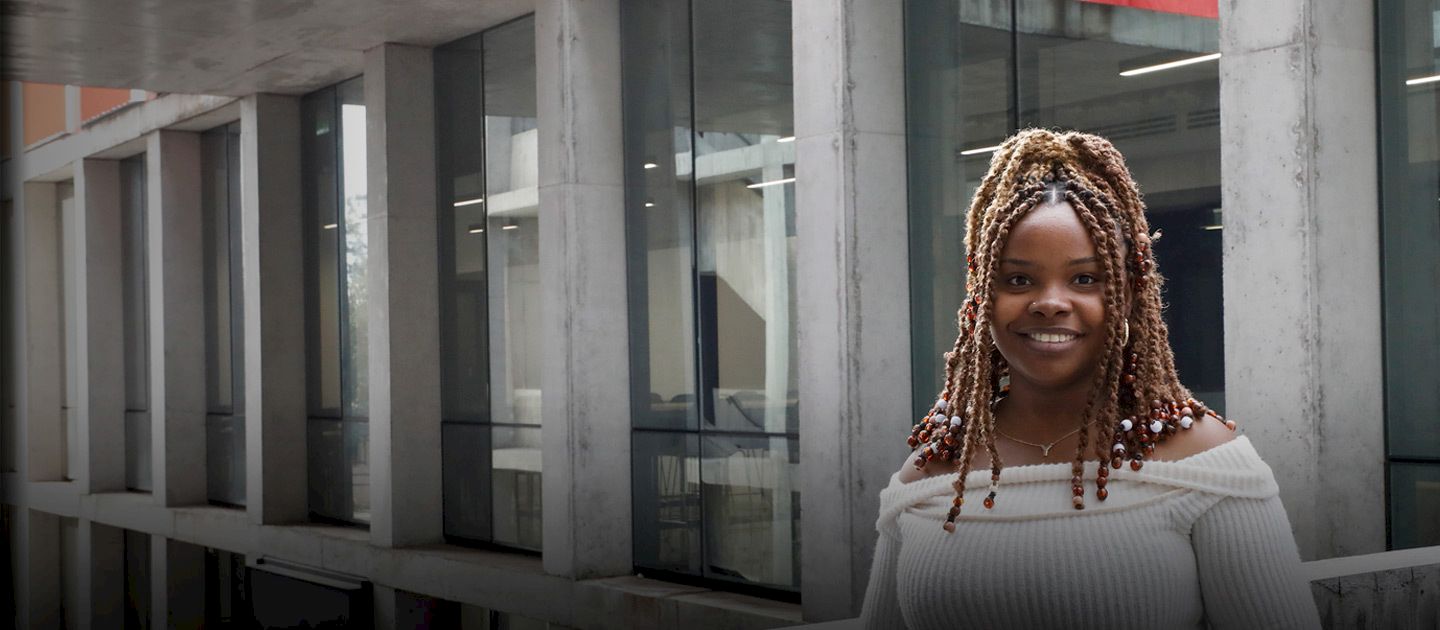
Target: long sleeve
[
  {"x": 881, "y": 609},
  {"x": 1249, "y": 567}
]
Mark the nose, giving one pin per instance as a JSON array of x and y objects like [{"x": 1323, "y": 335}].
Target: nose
[{"x": 1050, "y": 305}]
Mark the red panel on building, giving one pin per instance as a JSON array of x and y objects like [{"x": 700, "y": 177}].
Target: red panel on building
[
  {"x": 1198, "y": 8},
  {"x": 95, "y": 102}
]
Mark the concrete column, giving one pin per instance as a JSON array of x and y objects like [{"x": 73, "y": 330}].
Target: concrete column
[
  {"x": 586, "y": 415},
  {"x": 853, "y": 299},
  {"x": 35, "y": 541},
  {"x": 102, "y": 581},
  {"x": 177, "y": 584},
  {"x": 272, "y": 256},
  {"x": 177, "y": 331},
  {"x": 42, "y": 317},
  {"x": 404, "y": 297},
  {"x": 1301, "y": 240},
  {"x": 99, "y": 354}
]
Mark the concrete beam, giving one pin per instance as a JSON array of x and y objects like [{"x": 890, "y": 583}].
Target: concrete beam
[
  {"x": 586, "y": 416},
  {"x": 40, "y": 383},
  {"x": 853, "y": 306},
  {"x": 272, "y": 255},
  {"x": 177, "y": 333},
  {"x": 1301, "y": 244},
  {"x": 404, "y": 307},
  {"x": 99, "y": 354}
]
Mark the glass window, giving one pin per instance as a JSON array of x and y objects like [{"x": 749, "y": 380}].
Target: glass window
[
  {"x": 68, "y": 261},
  {"x": 337, "y": 340},
  {"x": 8, "y": 267},
  {"x": 224, "y": 315},
  {"x": 135, "y": 292},
  {"x": 490, "y": 285},
  {"x": 137, "y": 580},
  {"x": 977, "y": 72},
  {"x": 1409, "y": 84},
  {"x": 711, "y": 261}
]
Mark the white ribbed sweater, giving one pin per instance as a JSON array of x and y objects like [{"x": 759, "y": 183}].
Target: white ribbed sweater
[{"x": 1180, "y": 544}]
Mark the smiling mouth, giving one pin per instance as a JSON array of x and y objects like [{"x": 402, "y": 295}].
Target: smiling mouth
[{"x": 1051, "y": 337}]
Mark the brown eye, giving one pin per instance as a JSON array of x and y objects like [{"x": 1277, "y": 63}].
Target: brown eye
[
  {"x": 1086, "y": 279},
  {"x": 1017, "y": 280}
]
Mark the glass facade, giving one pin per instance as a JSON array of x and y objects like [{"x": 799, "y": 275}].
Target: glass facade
[
  {"x": 336, "y": 315},
  {"x": 135, "y": 298},
  {"x": 1409, "y": 91},
  {"x": 977, "y": 72},
  {"x": 8, "y": 356},
  {"x": 224, "y": 315},
  {"x": 487, "y": 170},
  {"x": 710, "y": 240}
]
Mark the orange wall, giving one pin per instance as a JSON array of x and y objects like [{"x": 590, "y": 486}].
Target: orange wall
[
  {"x": 4, "y": 119},
  {"x": 97, "y": 101},
  {"x": 44, "y": 110}
]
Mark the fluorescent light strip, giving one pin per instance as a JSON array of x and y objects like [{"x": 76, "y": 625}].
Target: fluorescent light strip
[
  {"x": 650, "y": 165},
  {"x": 776, "y": 182},
  {"x": 509, "y": 227},
  {"x": 980, "y": 150},
  {"x": 470, "y": 202},
  {"x": 330, "y": 226},
  {"x": 1214, "y": 227},
  {"x": 787, "y": 139},
  {"x": 1418, "y": 80},
  {"x": 1171, "y": 64},
  {"x": 649, "y": 204}
]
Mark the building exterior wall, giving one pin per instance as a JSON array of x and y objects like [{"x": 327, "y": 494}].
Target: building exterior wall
[{"x": 1303, "y": 360}]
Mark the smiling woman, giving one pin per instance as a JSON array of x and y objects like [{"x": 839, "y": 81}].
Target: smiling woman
[{"x": 1062, "y": 346}]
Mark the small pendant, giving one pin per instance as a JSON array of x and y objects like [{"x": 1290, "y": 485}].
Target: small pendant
[{"x": 1045, "y": 449}]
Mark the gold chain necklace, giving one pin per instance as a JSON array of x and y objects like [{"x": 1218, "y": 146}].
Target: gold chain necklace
[{"x": 1044, "y": 448}]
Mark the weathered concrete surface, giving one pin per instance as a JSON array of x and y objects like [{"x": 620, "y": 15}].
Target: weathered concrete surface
[
  {"x": 404, "y": 307},
  {"x": 1301, "y": 246},
  {"x": 853, "y": 296},
  {"x": 38, "y": 336},
  {"x": 272, "y": 250},
  {"x": 175, "y": 260},
  {"x": 586, "y": 413}
]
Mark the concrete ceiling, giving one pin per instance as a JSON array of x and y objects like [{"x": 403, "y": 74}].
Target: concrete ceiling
[{"x": 225, "y": 47}]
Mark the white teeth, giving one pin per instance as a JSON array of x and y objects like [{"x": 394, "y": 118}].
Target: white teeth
[{"x": 1051, "y": 337}]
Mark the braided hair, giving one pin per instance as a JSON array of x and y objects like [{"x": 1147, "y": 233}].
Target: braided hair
[{"x": 1137, "y": 399}]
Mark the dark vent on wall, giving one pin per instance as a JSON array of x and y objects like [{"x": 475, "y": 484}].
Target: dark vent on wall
[{"x": 1202, "y": 118}]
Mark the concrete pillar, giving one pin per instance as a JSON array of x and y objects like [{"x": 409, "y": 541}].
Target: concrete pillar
[
  {"x": 177, "y": 331},
  {"x": 36, "y": 545},
  {"x": 99, "y": 355},
  {"x": 102, "y": 581},
  {"x": 177, "y": 584},
  {"x": 41, "y": 378},
  {"x": 272, "y": 257},
  {"x": 404, "y": 313},
  {"x": 1301, "y": 240},
  {"x": 586, "y": 416},
  {"x": 853, "y": 302}
]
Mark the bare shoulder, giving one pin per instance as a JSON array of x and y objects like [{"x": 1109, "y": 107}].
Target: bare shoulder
[{"x": 1204, "y": 435}]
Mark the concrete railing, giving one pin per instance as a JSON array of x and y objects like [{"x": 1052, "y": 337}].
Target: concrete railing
[{"x": 1394, "y": 589}]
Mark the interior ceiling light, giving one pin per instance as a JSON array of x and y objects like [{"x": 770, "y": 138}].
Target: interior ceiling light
[
  {"x": 330, "y": 226},
  {"x": 1169, "y": 65},
  {"x": 650, "y": 165},
  {"x": 1418, "y": 80},
  {"x": 980, "y": 150},
  {"x": 510, "y": 226},
  {"x": 469, "y": 202},
  {"x": 774, "y": 182},
  {"x": 476, "y": 228},
  {"x": 787, "y": 139}
]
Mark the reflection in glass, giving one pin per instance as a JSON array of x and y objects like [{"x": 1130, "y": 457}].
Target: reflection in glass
[
  {"x": 224, "y": 315},
  {"x": 966, "y": 91},
  {"x": 487, "y": 175},
  {"x": 1409, "y": 90},
  {"x": 337, "y": 330},
  {"x": 134, "y": 290},
  {"x": 710, "y": 214}
]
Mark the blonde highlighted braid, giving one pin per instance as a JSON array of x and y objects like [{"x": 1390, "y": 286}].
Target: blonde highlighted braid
[{"x": 1137, "y": 399}]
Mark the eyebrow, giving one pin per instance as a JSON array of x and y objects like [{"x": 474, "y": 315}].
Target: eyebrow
[{"x": 1025, "y": 263}]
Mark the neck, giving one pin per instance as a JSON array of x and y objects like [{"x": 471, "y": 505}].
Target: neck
[{"x": 1040, "y": 412}]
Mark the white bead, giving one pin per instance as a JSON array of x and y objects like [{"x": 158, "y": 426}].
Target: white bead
[
  {"x": 955, "y": 421},
  {"x": 941, "y": 404},
  {"x": 1186, "y": 422},
  {"x": 1119, "y": 448},
  {"x": 1126, "y": 425},
  {"x": 1157, "y": 426}
]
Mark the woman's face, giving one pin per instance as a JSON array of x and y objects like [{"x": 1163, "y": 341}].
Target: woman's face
[{"x": 1049, "y": 301}]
